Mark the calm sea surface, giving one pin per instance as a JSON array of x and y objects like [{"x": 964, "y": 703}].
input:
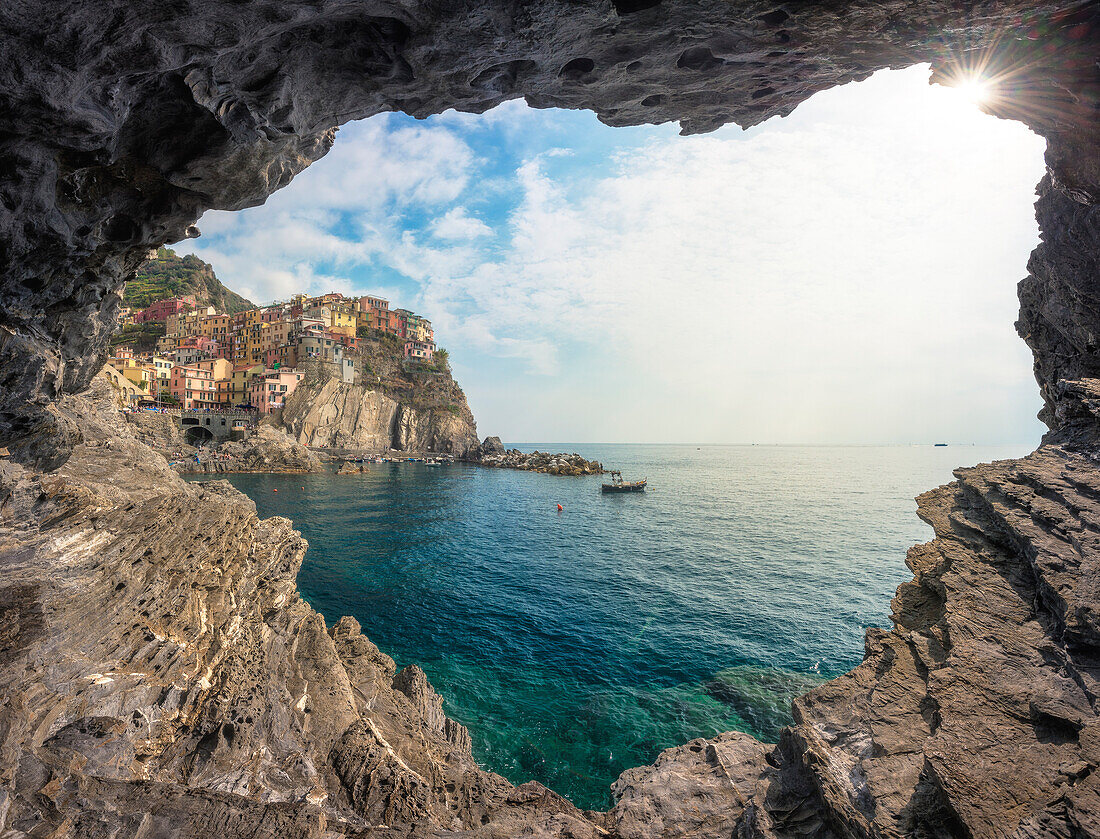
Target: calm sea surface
[{"x": 577, "y": 644}]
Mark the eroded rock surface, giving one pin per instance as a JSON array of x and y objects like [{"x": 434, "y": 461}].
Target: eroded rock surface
[
  {"x": 328, "y": 413},
  {"x": 162, "y": 677},
  {"x": 266, "y": 449}
]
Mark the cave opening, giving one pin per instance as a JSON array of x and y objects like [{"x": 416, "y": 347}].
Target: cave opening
[
  {"x": 132, "y": 122},
  {"x": 851, "y": 269}
]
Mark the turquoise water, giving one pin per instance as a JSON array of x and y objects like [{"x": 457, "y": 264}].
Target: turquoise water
[{"x": 577, "y": 644}]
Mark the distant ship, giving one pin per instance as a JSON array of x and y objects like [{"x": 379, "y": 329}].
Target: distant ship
[{"x": 939, "y": 444}]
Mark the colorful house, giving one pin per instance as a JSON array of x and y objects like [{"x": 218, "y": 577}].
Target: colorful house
[
  {"x": 158, "y": 312},
  {"x": 194, "y": 387},
  {"x": 421, "y": 350},
  {"x": 268, "y": 392}
]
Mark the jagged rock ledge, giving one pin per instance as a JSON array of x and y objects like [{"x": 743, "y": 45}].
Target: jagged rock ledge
[
  {"x": 492, "y": 453},
  {"x": 267, "y": 449}
]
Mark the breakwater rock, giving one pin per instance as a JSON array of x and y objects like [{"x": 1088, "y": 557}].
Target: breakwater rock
[
  {"x": 350, "y": 467},
  {"x": 536, "y": 461}
]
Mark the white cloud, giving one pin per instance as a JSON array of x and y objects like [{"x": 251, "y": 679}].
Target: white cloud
[
  {"x": 845, "y": 274},
  {"x": 346, "y": 210},
  {"x": 849, "y": 277},
  {"x": 455, "y": 224}
]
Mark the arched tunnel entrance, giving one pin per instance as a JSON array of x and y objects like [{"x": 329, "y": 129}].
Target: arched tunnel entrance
[
  {"x": 976, "y": 715},
  {"x": 197, "y": 435}
]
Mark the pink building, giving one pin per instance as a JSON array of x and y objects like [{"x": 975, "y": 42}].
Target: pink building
[
  {"x": 194, "y": 387},
  {"x": 158, "y": 312},
  {"x": 422, "y": 350},
  {"x": 268, "y": 392}
]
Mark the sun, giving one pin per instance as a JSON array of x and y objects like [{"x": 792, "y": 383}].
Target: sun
[{"x": 974, "y": 89}]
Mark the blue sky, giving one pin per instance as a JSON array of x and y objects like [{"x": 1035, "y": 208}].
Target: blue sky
[{"x": 844, "y": 275}]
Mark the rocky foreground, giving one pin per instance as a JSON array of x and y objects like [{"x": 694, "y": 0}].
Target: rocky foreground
[
  {"x": 492, "y": 453},
  {"x": 162, "y": 677}
]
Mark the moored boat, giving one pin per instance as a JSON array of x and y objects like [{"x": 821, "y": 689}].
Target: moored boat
[{"x": 619, "y": 485}]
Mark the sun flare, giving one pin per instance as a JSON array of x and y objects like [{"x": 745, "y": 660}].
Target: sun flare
[{"x": 974, "y": 89}]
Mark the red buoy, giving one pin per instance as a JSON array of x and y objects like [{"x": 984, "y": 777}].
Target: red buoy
[{"x": 560, "y": 508}]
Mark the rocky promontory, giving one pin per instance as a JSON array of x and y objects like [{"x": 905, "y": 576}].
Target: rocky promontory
[
  {"x": 492, "y": 453},
  {"x": 392, "y": 406}
]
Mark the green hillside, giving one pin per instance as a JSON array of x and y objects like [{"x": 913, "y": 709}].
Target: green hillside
[{"x": 170, "y": 275}]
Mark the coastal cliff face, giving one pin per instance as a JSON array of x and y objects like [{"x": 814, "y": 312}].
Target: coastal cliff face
[
  {"x": 162, "y": 678},
  {"x": 325, "y": 412}
]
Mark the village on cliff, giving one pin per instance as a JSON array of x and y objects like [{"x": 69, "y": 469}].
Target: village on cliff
[{"x": 252, "y": 360}]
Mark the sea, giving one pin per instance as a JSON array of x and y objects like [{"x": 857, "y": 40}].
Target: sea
[{"x": 579, "y": 643}]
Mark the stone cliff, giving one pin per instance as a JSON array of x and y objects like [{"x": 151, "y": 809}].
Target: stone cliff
[
  {"x": 421, "y": 412},
  {"x": 165, "y": 679}
]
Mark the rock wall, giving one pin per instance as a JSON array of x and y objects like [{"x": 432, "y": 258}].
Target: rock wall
[
  {"x": 267, "y": 449},
  {"x": 324, "y": 412}
]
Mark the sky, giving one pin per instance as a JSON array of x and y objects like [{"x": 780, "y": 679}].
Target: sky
[{"x": 844, "y": 275}]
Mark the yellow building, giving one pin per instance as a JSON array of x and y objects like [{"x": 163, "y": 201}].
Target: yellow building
[
  {"x": 221, "y": 369},
  {"x": 128, "y": 391},
  {"x": 141, "y": 375},
  {"x": 239, "y": 382}
]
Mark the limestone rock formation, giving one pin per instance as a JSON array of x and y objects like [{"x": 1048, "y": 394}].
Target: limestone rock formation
[
  {"x": 266, "y": 449},
  {"x": 161, "y": 676},
  {"x": 328, "y": 413},
  {"x": 332, "y": 414}
]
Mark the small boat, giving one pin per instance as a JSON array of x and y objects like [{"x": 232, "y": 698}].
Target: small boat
[
  {"x": 619, "y": 485},
  {"x": 937, "y": 445}
]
